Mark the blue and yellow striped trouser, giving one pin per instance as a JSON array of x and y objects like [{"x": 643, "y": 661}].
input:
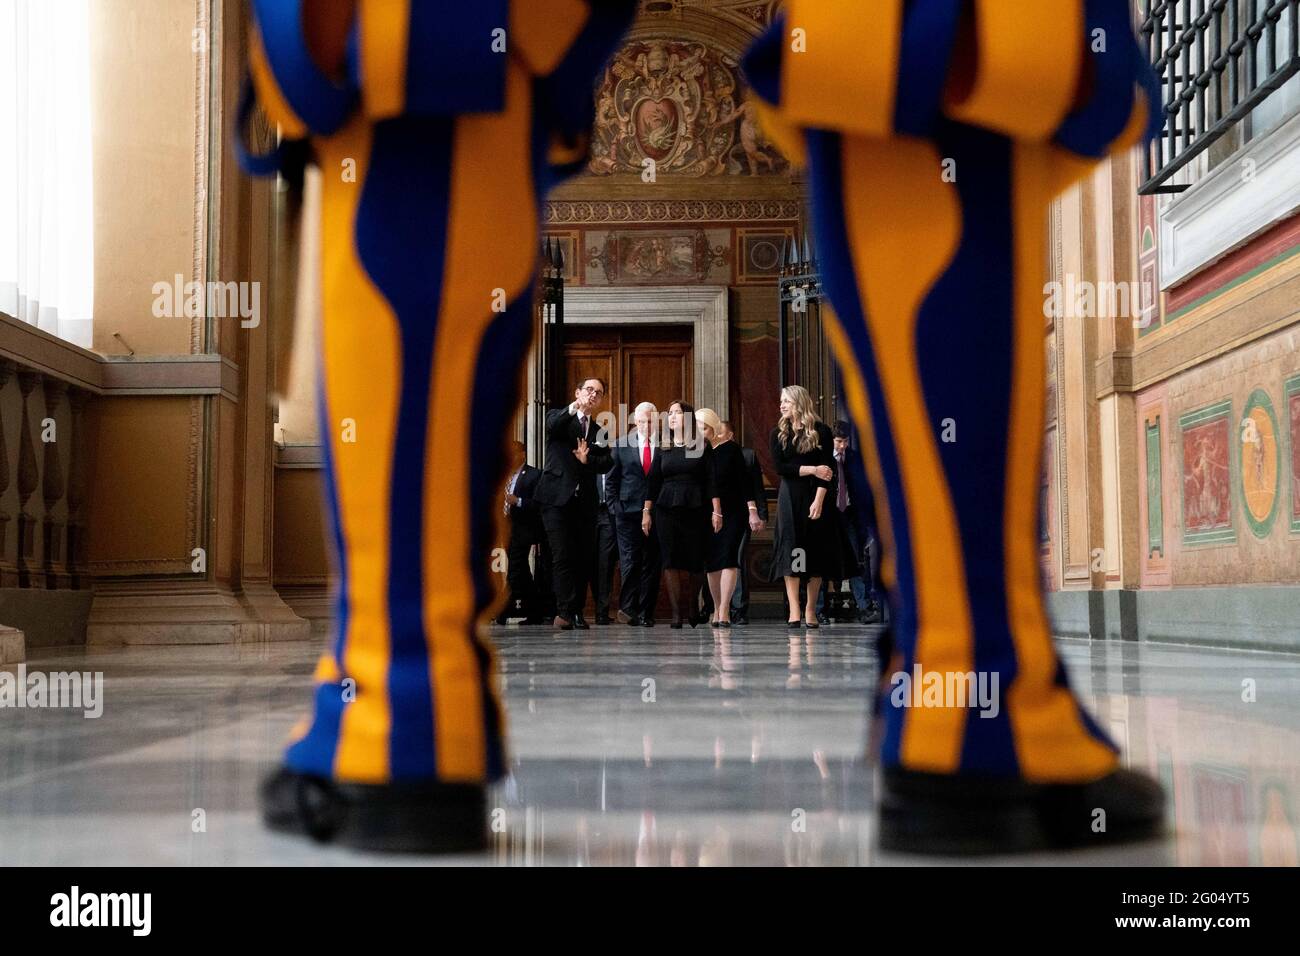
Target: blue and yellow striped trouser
[
  {"x": 935, "y": 134},
  {"x": 434, "y": 153}
]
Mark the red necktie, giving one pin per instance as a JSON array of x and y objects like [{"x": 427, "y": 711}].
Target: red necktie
[{"x": 645, "y": 457}]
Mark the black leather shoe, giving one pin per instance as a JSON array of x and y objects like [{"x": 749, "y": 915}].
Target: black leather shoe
[
  {"x": 603, "y": 620},
  {"x": 823, "y": 618},
  {"x": 961, "y": 814},
  {"x": 392, "y": 818},
  {"x": 580, "y": 623}
]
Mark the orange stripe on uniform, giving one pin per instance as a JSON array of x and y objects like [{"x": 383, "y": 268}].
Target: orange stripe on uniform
[
  {"x": 491, "y": 244},
  {"x": 846, "y": 76},
  {"x": 385, "y": 27},
  {"x": 542, "y": 31},
  {"x": 904, "y": 226},
  {"x": 1052, "y": 743},
  {"x": 1025, "y": 76},
  {"x": 361, "y": 378},
  {"x": 269, "y": 95}
]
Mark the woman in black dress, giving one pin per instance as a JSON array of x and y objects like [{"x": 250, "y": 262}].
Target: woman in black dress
[
  {"x": 806, "y": 545},
  {"x": 681, "y": 511},
  {"x": 734, "y": 512}
]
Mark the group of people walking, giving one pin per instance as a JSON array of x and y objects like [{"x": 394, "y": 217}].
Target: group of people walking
[{"x": 675, "y": 506}]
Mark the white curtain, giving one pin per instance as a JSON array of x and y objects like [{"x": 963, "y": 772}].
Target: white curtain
[{"x": 46, "y": 214}]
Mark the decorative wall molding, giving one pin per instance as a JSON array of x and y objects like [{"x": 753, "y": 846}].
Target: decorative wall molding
[
  {"x": 203, "y": 374},
  {"x": 179, "y": 612},
  {"x": 603, "y": 212},
  {"x": 1229, "y": 207},
  {"x": 703, "y": 307},
  {"x": 310, "y": 455},
  {"x": 1251, "y": 311}
]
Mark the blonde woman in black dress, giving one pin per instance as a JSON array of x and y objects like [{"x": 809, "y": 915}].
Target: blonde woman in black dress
[
  {"x": 683, "y": 498},
  {"x": 806, "y": 545},
  {"x": 734, "y": 512}
]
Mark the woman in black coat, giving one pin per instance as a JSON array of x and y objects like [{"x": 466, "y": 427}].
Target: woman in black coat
[
  {"x": 806, "y": 547},
  {"x": 738, "y": 513},
  {"x": 683, "y": 497}
]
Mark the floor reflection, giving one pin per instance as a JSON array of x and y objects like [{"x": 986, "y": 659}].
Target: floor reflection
[{"x": 632, "y": 747}]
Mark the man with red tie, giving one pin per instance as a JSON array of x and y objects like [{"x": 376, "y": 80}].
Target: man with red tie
[{"x": 629, "y": 487}]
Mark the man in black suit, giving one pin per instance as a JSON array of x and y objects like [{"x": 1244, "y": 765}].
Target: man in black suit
[
  {"x": 856, "y": 511},
  {"x": 569, "y": 497},
  {"x": 630, "y": 484},
  {"x": 758, "y": 517},
  {"x": 530, "y": 592},
  {"x": 606, "y": 559}
]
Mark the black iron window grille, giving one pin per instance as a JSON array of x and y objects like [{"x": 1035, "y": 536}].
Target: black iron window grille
[{"x": 1218, "y": 60}]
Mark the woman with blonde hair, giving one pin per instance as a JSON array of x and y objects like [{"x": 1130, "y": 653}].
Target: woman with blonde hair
[
  {"x": 804, "y": 552},
  {"x": 683, "y": 495},
  {"x": 735, "y": 511}
]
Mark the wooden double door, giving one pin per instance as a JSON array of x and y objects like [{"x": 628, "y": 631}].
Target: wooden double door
[{"x": 640, "y": 363}]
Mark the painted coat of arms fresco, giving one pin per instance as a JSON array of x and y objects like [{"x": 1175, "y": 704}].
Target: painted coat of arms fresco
[{"x": 683, "y": 105}]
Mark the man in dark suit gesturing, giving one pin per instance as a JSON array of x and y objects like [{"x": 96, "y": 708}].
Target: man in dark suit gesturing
[
  {"x": 568, "y": 496},
  {"x": 631, "y": 487}
]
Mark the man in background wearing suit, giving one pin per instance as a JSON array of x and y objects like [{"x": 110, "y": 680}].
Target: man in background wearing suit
[
  {"x": 530, "y": 592},
  {"x": 631, "y": 484},
  {"x": 606, "y": 559},
  {"x": 569, "y": 497},
  {"x": 757, "y": 521},
  {"x": 857, "y": 516}
]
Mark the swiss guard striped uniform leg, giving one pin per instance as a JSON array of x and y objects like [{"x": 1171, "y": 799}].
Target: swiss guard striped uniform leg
[
  {"x": 437, "y": 128},
  {"x": 935, "y": 133}
]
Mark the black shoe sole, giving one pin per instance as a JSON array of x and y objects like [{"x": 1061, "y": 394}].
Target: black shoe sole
[
  {"x": 934, "y": 814},
  {"x": 396, "y": 818}
]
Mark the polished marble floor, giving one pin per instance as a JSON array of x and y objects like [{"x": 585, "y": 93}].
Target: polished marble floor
[{"x": 629, "y": 747}]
